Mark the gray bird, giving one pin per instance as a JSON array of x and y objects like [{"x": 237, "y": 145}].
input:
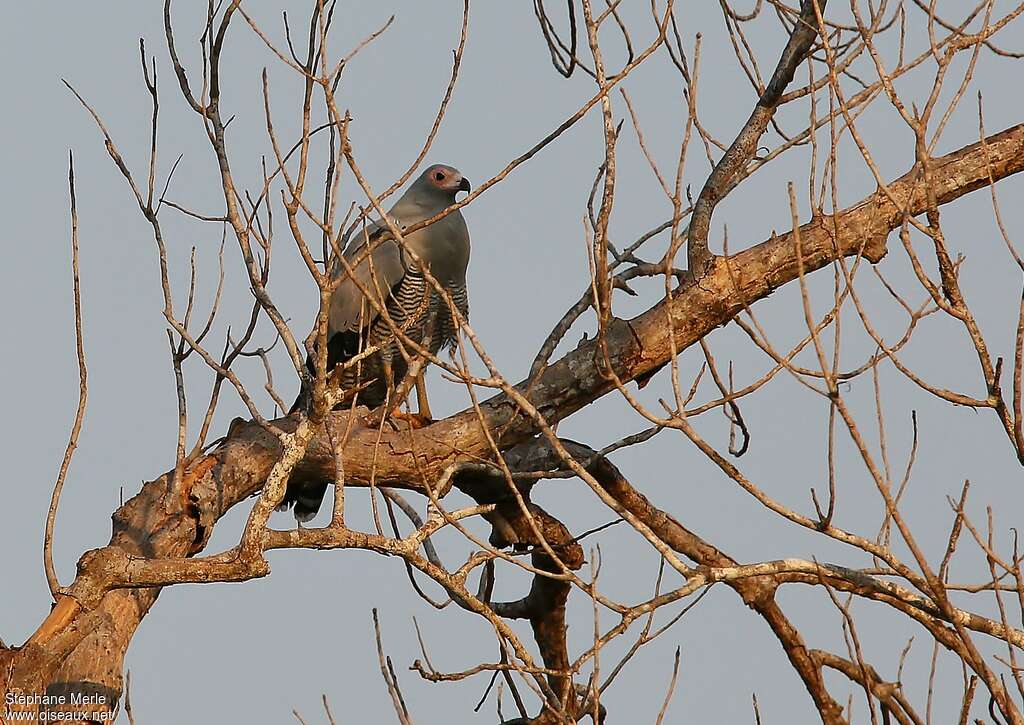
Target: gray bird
[{"x": 397, "y": 284}]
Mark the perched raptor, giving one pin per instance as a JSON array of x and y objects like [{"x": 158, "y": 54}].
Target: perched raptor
[{"x": 394, "y": 280}]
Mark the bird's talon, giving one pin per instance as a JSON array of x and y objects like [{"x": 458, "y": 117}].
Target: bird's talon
[{"x": 415, "y": 420}]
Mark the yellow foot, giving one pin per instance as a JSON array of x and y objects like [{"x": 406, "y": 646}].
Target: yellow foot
[{"x": 415, "y": 420}]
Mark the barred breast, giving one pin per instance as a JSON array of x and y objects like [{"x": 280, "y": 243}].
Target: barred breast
[{"x": 416, "y": 309}]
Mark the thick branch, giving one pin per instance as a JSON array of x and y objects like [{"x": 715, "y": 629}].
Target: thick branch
[{"x": 544, "y": 605}]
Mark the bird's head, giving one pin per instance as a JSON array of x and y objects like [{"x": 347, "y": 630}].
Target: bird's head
[{"x": 443, "y": 179}]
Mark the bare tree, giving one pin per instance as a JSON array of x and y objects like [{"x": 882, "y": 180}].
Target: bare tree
[{"x": 505, "y": 443}]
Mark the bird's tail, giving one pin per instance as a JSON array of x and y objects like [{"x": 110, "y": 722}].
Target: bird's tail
[{"x": 304, "y": 499}]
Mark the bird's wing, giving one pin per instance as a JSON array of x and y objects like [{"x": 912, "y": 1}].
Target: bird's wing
[{"x": 377, "y": 272}]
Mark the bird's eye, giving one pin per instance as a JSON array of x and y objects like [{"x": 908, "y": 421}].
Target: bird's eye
[{"x": 439, "y": 176}]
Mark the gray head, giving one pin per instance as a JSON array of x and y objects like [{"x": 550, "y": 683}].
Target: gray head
[{"x": 440, "y": 182}]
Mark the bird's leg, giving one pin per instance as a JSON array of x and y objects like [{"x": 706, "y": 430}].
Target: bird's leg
[
  {"x": 420, "y": 419},
  {"x": 423, "y": 405},
  {"x": 418, "y": 366},
  {"x": 396, "y": 395},
  {"x": 417, "y": 373}
]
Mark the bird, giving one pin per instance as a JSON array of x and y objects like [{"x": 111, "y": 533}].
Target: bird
[{"x": 395, "y": 281}]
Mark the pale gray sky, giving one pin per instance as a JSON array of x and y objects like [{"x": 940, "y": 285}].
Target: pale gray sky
[{"x": 204, "y": 653}]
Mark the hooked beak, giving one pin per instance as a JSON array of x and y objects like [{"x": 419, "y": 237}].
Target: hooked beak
[{"x": 464, "y": 185}]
